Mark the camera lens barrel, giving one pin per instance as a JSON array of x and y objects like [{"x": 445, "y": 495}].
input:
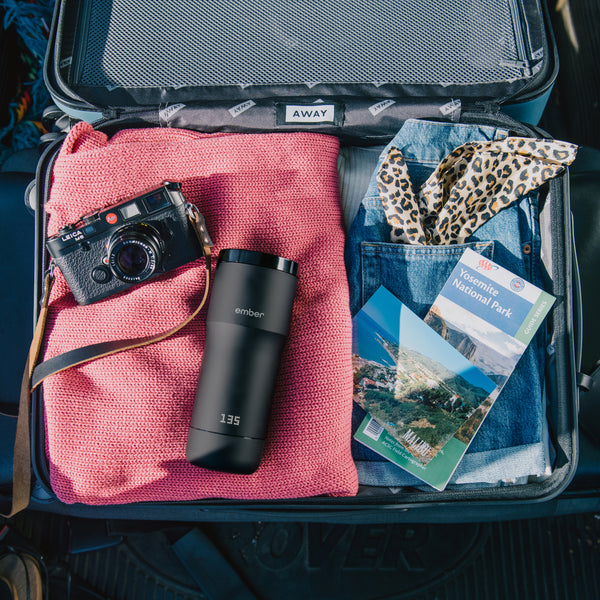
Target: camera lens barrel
[
  {"x": 246, "y": 327},
  {"x": 134, "y": 253}
]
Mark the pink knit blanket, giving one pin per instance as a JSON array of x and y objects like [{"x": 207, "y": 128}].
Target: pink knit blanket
[{"x": 116, "y": 427}]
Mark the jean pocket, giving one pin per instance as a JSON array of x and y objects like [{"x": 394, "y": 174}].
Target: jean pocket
[{"x": 414, "y": 274}]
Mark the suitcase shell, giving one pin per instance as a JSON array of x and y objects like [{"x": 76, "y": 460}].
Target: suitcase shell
[
  {"x": 203, "y": 55},
  {"x": 84, "y": 47}
]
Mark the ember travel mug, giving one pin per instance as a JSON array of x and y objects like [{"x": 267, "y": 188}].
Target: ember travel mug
[{"x": 246, "y": 327}]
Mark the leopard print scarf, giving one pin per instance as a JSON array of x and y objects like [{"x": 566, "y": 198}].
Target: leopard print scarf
[{"x": 468, "y": 187}]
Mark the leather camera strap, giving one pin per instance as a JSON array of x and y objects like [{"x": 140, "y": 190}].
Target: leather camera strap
[{"x": 34, "y": 375}]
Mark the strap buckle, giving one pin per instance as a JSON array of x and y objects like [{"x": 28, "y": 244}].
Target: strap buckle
[
  {"x": 49, "y": 278},
  {"x": 199, "y": 224},
  {"x": 49, "y": 272}
]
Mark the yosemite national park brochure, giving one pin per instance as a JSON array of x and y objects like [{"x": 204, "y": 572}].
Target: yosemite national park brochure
[{"x": 428, "y": 385}]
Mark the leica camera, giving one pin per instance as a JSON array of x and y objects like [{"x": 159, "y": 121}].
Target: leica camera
[{"x": 108, "y": 251}]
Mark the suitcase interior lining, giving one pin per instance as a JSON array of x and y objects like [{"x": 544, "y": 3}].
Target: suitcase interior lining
[{"x": 561, "y": 410}]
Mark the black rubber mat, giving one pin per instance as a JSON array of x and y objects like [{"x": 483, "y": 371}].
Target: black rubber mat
[{"x": 550, "y": 559}]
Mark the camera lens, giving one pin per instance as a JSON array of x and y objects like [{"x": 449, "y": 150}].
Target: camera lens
[
  {"x": 134, "y": 253},
  {"x": 132, "y": 259}
]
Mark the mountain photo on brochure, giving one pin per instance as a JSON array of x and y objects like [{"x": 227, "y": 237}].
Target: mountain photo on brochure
[{"x": 415, "y": 384}]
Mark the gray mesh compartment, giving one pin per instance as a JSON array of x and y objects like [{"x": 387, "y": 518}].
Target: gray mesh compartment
[{"x": 158, "y": 43}]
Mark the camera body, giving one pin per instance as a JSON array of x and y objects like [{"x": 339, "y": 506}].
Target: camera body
[{"x": 108, "y": 251}]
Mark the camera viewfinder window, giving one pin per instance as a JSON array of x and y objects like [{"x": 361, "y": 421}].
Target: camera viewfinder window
[
  {"x": 130, "y": 210},
  {"x": 155, "y": 202}
]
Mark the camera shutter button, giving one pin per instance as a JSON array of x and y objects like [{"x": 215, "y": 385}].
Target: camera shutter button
[{"x": 100, "y": 274}]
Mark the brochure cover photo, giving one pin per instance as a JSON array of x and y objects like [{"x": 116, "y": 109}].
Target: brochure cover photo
[
  {"x": 411, "y": 381},
  {"x": 488, "y": 314}
]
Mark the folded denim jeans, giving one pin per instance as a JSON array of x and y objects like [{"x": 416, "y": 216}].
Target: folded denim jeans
[{"x": 512, "y": 442}]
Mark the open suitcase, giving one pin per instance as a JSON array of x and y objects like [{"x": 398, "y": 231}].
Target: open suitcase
[{"x": 128, "y": 65}]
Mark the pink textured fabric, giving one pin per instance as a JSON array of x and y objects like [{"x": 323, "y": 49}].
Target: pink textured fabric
[{"x": 116, "y": 427}]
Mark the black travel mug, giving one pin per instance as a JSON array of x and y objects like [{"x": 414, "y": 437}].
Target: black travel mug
[{"x": 246, "y": 327}]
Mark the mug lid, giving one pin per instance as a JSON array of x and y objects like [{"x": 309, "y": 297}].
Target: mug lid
[{"x": 260, "y": 259}]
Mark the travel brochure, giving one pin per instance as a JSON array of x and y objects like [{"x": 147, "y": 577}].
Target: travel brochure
[{"x": 427, "y": 385}]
